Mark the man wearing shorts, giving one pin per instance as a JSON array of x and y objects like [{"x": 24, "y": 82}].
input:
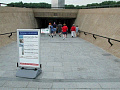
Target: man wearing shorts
[
  {"x": 54, "y": 26},
  {"x": 52, "y": 30},
  {"x": 64, "y": 31}
]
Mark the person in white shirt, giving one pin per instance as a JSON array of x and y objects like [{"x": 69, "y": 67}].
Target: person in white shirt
[
  {"x": 49, "y": 29},
  {"x": 77, "y": 28}
]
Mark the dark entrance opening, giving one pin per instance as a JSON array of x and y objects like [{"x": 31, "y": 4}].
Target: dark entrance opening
[{"x": 43, "y": 22}]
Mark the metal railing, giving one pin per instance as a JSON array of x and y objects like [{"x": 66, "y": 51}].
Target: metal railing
[
  {"x": 100, "y": 36},
  {"x": 10, "y": 34}
]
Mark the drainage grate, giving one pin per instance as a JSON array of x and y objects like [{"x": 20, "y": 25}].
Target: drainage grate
[
  {"x": 117, "y": 60},
  {"x": 106, "y": 54}
]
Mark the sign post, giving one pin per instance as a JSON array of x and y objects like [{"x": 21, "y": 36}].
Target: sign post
[{"x": 28, "y": 41}]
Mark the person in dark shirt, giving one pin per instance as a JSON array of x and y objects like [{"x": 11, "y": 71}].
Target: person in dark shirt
[
  {"x": 59, "y": 27},
  {"x": 54, "y": 26}
]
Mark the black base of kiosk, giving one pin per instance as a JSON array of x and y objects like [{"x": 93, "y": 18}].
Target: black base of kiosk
[{"x": 28, "y": 73}]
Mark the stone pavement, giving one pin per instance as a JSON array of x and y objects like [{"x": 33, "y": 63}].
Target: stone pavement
[{"x": 70, "y": 64}]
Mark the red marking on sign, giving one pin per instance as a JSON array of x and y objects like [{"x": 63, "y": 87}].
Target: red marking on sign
[{"x": 33, "y": 64}]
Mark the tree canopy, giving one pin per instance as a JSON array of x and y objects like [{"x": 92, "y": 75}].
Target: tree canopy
[
  {"x": 104, "y": 4},
  {"x": 30, "y": 5}
]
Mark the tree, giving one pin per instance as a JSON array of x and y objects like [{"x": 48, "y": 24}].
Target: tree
[
  {"x": 69, "y": 7},
  {"x": 104, "y": 4},
  {"x": 29, "y": 5},
  {"x": 17, "y": 4}
]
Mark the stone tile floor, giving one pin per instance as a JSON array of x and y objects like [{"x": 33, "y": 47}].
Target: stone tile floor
[{"x": 70, "y": 64}]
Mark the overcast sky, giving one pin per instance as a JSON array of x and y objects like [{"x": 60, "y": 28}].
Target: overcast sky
[{"x": 74, "y": 2}]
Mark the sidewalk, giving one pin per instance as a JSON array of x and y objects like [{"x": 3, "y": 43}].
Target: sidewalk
[{"x": 70, "y": 64}]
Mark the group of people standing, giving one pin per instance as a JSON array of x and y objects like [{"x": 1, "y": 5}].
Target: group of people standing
[{"x": 62, "y": 29}]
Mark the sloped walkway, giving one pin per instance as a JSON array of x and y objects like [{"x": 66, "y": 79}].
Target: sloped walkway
[{"x": 70, "y": 64}]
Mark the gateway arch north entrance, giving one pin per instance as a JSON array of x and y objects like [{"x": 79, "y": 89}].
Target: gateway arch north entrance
[
  {"x": 46, "y": 16},
  {"x": 43, "y": 22}
]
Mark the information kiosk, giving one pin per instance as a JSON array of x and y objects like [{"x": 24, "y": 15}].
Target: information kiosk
[{"x": 28, "y": 41}]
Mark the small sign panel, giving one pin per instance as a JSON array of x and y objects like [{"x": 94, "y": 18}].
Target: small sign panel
[{"x": 46, "y": 30}]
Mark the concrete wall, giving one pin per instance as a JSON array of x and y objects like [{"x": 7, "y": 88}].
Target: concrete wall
[
  {"x": 12, "y": 19},
  {"x": 56, "y": 13},
  {"x": 104, "y": 22}
]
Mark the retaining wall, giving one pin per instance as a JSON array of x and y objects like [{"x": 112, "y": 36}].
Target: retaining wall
[
  {"x": 104, "y": 22},
  {"x": 11, "y": 19}
]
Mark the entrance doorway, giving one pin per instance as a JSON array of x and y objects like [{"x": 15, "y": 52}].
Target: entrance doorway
[{"x": 43, "y": 22}]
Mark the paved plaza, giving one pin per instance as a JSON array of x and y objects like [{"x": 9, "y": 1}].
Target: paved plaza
[{"x": 70, "y": 64}]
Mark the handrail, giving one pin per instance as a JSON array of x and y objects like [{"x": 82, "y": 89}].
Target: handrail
[
  {"x": 8, "y": 33},
  {"x": 100, "y": 36},
  {"x": 79, "y": 32}
]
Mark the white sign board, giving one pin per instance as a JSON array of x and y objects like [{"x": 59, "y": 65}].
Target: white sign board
[
  {"x": 46, "y": 30},
  {"x": 29, "y": 47}
]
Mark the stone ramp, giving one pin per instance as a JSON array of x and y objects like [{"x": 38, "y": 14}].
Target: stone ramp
[{"x": 70, "y": 64}]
